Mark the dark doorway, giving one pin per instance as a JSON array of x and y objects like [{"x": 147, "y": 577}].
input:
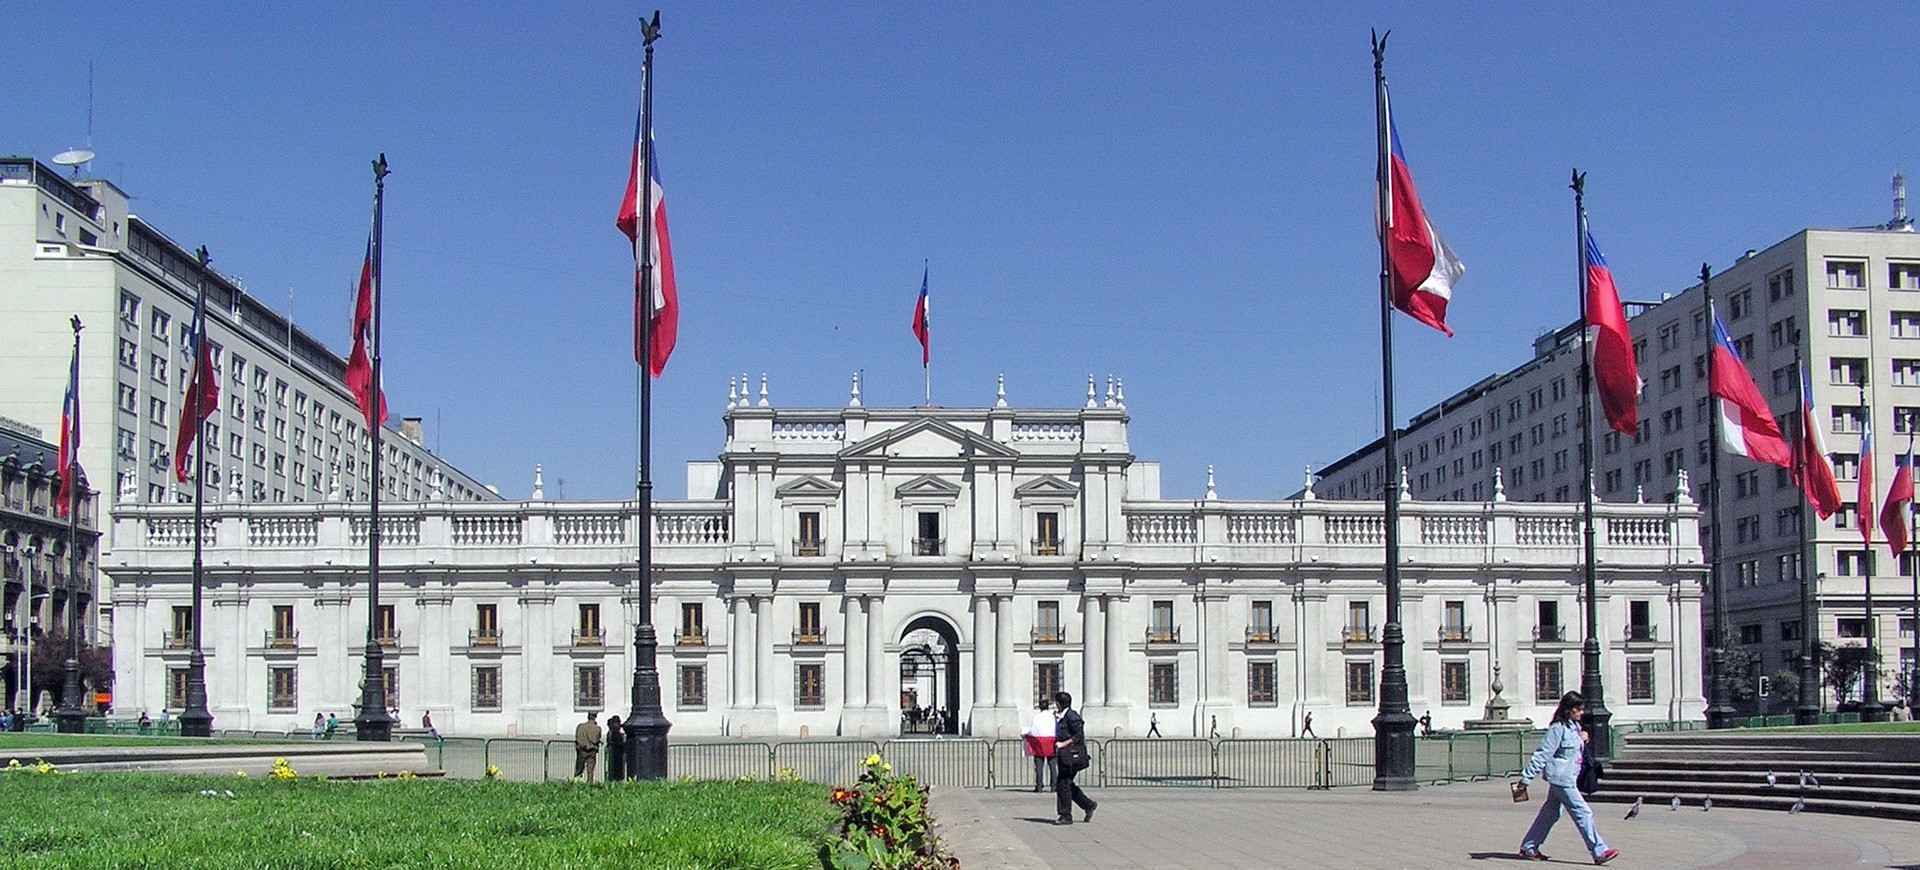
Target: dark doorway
[{"x": 930, "y": 677}]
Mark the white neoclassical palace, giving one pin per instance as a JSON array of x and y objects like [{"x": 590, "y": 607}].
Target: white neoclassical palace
[{"x": 850, "y": 570}]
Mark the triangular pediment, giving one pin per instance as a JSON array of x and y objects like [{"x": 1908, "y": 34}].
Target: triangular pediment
[
  {"x": 928, "y": 438},
  {"x": 808, "y": 487},
  {"x": 1046, "y": 486},
  {"x": 928, "y": 486}
]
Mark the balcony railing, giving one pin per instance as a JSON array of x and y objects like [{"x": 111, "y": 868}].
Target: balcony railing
[
  {"x": 1049, "y": 634},
  {"x": 390, "y": 639},
  {"x": 1046, "y": 546},
  {"x": 1163, "y": 634},
  {"x": 589, "y": 637},
  {"x": 1358, "y": 634},
  {"x": 1550, "y": 634},
  {"x": 804, "y": 547},
  {"x": 483, "y": 637},
  {"x": 282, "y": 639},
  {"x": 1641, "y": 633},
  {"x": 1456, "y": 633},
  {"x": 1261, "y": 634},
  {"x": 178, "y": 640},
  {"x": 808, "y": 637},
  {"x": 690, "y": 637},
  {"x": 929, "y": 546}
]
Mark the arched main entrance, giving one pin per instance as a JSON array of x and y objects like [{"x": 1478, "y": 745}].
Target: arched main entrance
[{"x": 930, "y": 677}]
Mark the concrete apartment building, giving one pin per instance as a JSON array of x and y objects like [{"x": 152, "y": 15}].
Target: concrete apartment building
[
  {"x": 1851, "y": 300},
  {"x": 287, "y": 429}
]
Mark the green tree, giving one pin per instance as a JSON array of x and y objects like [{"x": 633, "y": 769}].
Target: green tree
[
  {"x": 1785, "y": 686},
  {"x": 1841, "y": 669}
]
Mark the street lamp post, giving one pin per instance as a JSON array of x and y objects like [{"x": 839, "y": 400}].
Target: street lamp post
[{"x": 70, "y": 718}]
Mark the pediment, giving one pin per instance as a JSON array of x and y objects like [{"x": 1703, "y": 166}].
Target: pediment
[
  {"x": 808, "y": 486},
  {"x": 927, "y": 438},
  {"x": 928, "y": 486},
  {"x": 1046, "y": 486}
]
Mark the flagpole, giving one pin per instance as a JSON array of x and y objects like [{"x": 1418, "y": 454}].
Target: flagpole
[
  {"x": 197, "y": 720},
  {"x": 1719, "y": 701},
  {"x": 1808, "y": 712},
  {"x": 69, "y": 718},
  {"x": 1393, "y": 757},
  {"x": 1913, "y": 570},
  {"x": 646, "y": 724},
  {"x": 1870, "y": 709},
  {"x": 373, "y": 723},
  {"x": 1591, "y": 685}
]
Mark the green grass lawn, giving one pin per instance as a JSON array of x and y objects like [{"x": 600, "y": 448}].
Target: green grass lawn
[
  {"x": 104, "y": 820},
  {"x": 29, "y": 740}
]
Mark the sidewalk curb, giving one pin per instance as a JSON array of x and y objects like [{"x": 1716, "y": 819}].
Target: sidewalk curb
[{"x": 978, "y": 839}]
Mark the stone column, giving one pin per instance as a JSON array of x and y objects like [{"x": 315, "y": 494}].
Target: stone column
[
  {"x": 983, "y": 654},
  {"x": 740, "y": 655},
  {"x": 854, "y": 656},
  {"x": 876, "y": 653},
  {"x": 1214, "y": 680},
  {"x": 1093, "y": 655},
  {"x": 763, "y": 680},
  {"x": 1003, "y": 655}
]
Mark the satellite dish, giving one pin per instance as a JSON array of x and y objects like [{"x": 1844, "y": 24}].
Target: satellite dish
[{"x": 73, "y": 157}]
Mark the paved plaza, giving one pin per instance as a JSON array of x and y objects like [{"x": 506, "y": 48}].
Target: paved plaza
[{"x": 1461, "y": 825}]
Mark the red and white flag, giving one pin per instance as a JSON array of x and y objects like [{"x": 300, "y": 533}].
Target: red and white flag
[
  {"x": 922, "y": 326},
  {"x": 1816, "y": 466},
  {"x": 1893, "y": 516},
  {"x": 203, "y": 397},
  {"x": 69, "y": 431},
  {"x": 1747, "y": 426},
  {"x": 1424, "y": 268},
  {"x": 663, "y": 298},
  {"x": 360, "y": 362},
  {"x": 1863, "y": 506},
  {"x": 1616, "y": 376}
]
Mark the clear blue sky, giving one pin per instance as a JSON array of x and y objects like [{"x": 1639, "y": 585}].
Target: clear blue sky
[{"x": 1179, "y": 197}]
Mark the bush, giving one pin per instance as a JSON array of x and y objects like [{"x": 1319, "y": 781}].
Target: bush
[{"x": 886, "y": 826}]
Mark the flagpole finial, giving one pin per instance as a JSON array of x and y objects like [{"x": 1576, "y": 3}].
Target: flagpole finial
[
  {"x": 650, "y": 30},
  {"x": 203, "y": 257},
  {"x": 380, "y": 168},
  {"x": 77, "y": 326},
  {"x": 1706, "y": 272},
  {"x": 1579, "y": 184},
  {"x": 1379, "y": 48}
]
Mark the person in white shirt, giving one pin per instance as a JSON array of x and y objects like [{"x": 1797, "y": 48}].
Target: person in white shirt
[{"x": 1039, "y": 738}]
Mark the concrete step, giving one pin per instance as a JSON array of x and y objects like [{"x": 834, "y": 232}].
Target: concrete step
[
  {"x": 1691, "y": 801},
  {"x": 1670, "y": 787},
  {"x": 342, "y": 760}
]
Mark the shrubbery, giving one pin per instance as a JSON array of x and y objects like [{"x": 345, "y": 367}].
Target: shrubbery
[{"x": 886, "y": 826}]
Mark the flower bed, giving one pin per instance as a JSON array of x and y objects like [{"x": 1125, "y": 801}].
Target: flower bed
[{"x": 885, "y": 825}]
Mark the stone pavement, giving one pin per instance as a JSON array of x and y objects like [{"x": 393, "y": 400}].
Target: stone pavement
[{"x": 1461, "y": 825}]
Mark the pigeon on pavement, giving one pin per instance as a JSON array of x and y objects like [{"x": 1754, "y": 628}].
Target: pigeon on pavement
[
  {"x": 1635, "y": 809},
  {"x": 1798, "y": 805},
  {"x": 1803, "y": 777},
  {"x": 1675, "y": 805},
  {"x": 1771, "y": 779},
  {"x": 1706, "y": 805}
]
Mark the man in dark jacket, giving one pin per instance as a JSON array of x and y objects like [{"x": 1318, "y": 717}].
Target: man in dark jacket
[{"x": 1072, "y": 731}]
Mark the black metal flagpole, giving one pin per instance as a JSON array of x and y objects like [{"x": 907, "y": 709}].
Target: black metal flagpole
[
  {"x": 1870, "y": 707},
  {"x": 196, "y": 720},
  {"x": 1598, "y": 717},
  {"x": 1808, "y": 711},
  {"x": 1913, "y": 570},
  {"x": 1719, "y": 701},
  {"x": 373, "y": 723},
  {"x": 1393, "y": 727},
  {"x": 69, "y": 718},
  {"x": 646, "y": 724}
]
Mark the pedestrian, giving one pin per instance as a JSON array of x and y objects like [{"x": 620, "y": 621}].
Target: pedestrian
[
  {"x": 333, "y": 723},
  {"x": 426, "y": 724},
  {"x": 1070, "y": 731},
  {"x": 1039, "y": 739},
  {"x": 1306, "y": 728},
  {"x": 1213, "y": 727},
  {"x": 146, "y": 723},
  {"x": 6, "y": 723},
  {"x": 616, "y": 750},
  {"x": 1153, "y": 724},
  {"x": 1559, "y": 758},
  {"x": 586, "y": 747},
  {"x": 319, "y": 724},
  {"x": 1426, "y": 724}
]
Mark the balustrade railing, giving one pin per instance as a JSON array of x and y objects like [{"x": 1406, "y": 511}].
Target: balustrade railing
[
  {"x": 590, "y": 529},
  {"x": 1453, "y": 530},
  {"x": 1262, "y": 528},
  {"x": 1163, "y": 528},
  {"x": 281, "y": 531},
  {"x": 1046, "y": 431},
  {"x": 1362, "y": 529},
  {"x": 1547, "y": 531},
  {"x": 394, "y": 531},
  {"x": 714, "y": 527},
  {"x": 487, "y": 531}
]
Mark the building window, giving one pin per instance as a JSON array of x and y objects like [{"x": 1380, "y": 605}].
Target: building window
[
  {"x": 929, "y": 542},
  {"x": 1262, "y": 684},
  {"x": 1639, "y": 620},
  {"x": 1846, "y": 275},
  {"x": 1739, "y": 303},
  {"x": 809, "y": 686},
  {"x": 386, "y": 629},
  {"x": 283, "y": 633},
  {"x": 486, "y": 625},
  {"x": 486, "y": 688},
  {"x": 1163, "y": 684},
  {"x": 693, "y": 625},
  {"x": 811, "y": 538},
  {"x": 1751, "y": 634},
  {"x": 390, "y": 678},
  {"x": 1046, "y": 680},
  {"x": 1640, "y": 680},
  {"x": 588, "y": 688},
  {"x": 176, "y": 688},
  {"x": 1848, "y": 419},
  {"x": 1046, "y": 536},
  {"x": 693, "y": 687},
  {"x": 1847, "y": 322},
  {"x": 1261, "y": 628},
  {"x": 1453, "y": 682},
  {"x": 1900, "y": 276},
  {"x": 1359, "y": 627},
  {"x": 181, "y": 637},
  {"x": 1548, "y": 627},
  {"x": 1162, "y": 629},
  {"x": 281, "y": 696},
  {"x": 1547, "y": 677},
  {"x": 1789, "y": 629},
  {"x": 1046, "y": 618},
  {"x": 1453, "y": 621},
  {"x": 1360, "y": 682},
  {"x": 809, "y": 631},
  {"x": 588, "y": 633},
  {"x": 1850, "y": 627},
  {"x": 1854, "y": 563}
]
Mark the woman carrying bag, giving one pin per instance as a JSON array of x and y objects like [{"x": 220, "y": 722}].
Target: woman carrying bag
[
  {"x": 1560, "y": 757},
  {"x": 1071, "y": 756}
]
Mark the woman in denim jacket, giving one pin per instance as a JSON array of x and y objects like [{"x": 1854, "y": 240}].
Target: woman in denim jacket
[{"x": 1559, "y": 757}]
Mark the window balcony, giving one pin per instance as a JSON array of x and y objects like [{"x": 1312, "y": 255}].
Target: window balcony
[
  {"x": 1359, "y": 634},
  {"x": 929, "y": 546},
  {"x": 1550, "y": 634},
  {"x": 690, "y": 637},
  {"x": 389, "y": 639},
  {"x": 810, "y": 636},
  {"x": 483, "y": 637},
  {"x": 1163, "y": 634},
  {"x": 1261, "y": 634},
  {"x": 1641, "y": 633},
  {"x": 589, "y": 637},
  {"x": 282, "y": 639},
  {"x": 1046, "y": 546},
  {"x": 1456, "y": 633},
  {"x": 1049, "y": 634},
  {"x": 805, "y": 547},
  {"x": 178, "y": 640}
]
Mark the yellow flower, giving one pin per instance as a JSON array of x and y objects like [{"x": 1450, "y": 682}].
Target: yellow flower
[
  {"x": 407, "y": 774},
  {"x": 240, "y": 773},
  {"x": 873, "y": 759},
  {"x": 13, "y": 764},
  {"x": 494, "y": 772},
  {"x": 43, "y": 767}
]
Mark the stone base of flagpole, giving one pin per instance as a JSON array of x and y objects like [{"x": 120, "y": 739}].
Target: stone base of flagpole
[
  {"x": 373, "y": 723},
  {"x": 70, "y": 718},
  {"x": 196, "y": 720},
  {"x": 646, "y": 724},
  {"x": 1393, "y": 752}
]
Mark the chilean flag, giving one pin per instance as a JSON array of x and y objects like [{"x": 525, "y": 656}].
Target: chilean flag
[
  {"x": 1616, "y": 376},
  {"x": 664, "y": 297},
  {"x": 1424, "y": 268},
  {"x": 359, "y": 361},
  {"x": 1893, "y": 516},
  {"x": 203, "y": 396},
  {"x": 922, "y": 327},
  {"x": 69, "y": 431},
  {"x": 1823, "y": 493},
  {"x": 1747, "y": 426},
  {"x": 1863, "y": 508}
]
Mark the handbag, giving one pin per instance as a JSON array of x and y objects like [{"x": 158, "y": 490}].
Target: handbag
[
  {"x": 1519, "y": 792},
  {"x": 1073, "y": 757}
]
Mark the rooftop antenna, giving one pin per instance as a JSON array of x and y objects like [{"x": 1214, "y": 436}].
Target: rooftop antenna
[
  {"x": 78, "y": 157},
  {"x": 1900, "y": 219}
]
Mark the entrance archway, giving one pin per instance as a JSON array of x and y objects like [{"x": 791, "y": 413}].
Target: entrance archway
[{"x": 930, "y": 677}]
